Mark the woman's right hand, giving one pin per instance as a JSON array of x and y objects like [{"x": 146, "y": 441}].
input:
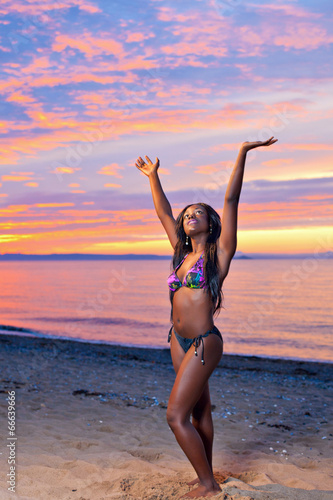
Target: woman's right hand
[{"x": 147, "y": 167}]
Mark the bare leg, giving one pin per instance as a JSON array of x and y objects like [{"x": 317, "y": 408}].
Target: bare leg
[
  {"x": 190, "y": 383},
  {"x": 201, "y": 415},
  {"x": 203, "y": 423}
]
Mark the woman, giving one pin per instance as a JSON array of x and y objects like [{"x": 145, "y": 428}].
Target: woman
[{"x": 202, "y": 254}]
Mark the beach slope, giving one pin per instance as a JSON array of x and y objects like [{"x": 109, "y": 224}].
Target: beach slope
[{"x": 90, "y": 424}]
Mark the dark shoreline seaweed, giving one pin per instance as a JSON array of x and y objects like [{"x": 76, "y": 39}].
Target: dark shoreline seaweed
[{"x": 73, "y": 349}]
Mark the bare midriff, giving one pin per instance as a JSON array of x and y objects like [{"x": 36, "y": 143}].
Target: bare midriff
[{"x": 192, "y": 312}]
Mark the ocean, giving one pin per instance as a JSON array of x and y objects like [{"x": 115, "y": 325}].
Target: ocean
[{"x": 272, "y": 308}]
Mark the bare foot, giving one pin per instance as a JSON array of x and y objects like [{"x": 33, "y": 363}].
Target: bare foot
[
  {"x": 203, "y": 491},
  {"x": 192, "y": 483},
  {"x": 219, "y": 477}
]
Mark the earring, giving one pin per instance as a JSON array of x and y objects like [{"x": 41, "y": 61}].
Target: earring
[
  {"x": 210, "y": 229},
  {"x": 186, "y": 241}
]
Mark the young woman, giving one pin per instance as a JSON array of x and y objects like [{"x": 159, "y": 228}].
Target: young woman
[{"x": 202, "y": 254}]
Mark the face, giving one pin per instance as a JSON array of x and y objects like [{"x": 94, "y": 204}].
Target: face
[{"x": 195, "y": 220}]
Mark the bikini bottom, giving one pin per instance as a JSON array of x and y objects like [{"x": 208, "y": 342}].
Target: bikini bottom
[{"x": 186, "y": 343}]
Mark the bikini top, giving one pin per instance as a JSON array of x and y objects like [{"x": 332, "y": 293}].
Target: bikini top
[{"x": 194, "y": 278}]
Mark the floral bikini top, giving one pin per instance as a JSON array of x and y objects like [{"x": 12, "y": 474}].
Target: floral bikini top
[{"x": 194, "y": 278}]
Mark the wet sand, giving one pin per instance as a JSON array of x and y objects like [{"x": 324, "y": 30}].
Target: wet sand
[{"x": 90, "y": 424}]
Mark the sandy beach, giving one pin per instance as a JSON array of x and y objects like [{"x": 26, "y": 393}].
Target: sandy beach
[{"x": 90, "y": 424}]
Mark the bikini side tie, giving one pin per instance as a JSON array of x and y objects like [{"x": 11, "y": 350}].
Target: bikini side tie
[{"x": 196, "y": 342}]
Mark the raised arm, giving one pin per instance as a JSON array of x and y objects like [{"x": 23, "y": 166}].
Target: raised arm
[
  {"x": 161, "y": 203},
  {"x": 228, "y": 238}
]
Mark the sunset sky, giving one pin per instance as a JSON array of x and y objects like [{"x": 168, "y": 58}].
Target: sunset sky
[{"x": 88, "y": 86}]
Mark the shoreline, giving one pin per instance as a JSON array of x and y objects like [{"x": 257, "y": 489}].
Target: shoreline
[
  {"x": 91, "y": 423},
  {"x": 22, "y": 332}
]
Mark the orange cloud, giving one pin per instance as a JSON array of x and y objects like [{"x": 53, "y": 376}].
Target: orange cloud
[
  {"x": 164, "y": 171},
  {"x": 15, "y": 178},
  {"x": 151, "y": 119},
  {"x": 65, "y": 170},
  {"x": 18, "y": 97},
  {"x": 112, "y": 185},
  {"x": 91, "y": 231},
  {"x": 309, "y": 147},
  {"x": 207, "y": 169},
  {"x": 54, "y": 223},
  {"x": 111, "y": 169},
  {"x": 54, "y": 205},
  {"x": 11, "y": 209},
  {"x": 31, "y": 184},
  {"x": 5, "y": 238},
  {"x": 22, "y": 173},
  {"x": 316, "y": 197}
]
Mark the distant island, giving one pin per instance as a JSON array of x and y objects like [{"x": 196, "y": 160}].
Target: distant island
[{"x": 131, "y": 256}]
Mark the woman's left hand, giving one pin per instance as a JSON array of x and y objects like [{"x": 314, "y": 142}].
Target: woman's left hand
[{"x": 246, "y": 146}]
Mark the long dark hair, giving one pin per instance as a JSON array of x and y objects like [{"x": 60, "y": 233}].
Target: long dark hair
[{"x": 211, "y": 264}]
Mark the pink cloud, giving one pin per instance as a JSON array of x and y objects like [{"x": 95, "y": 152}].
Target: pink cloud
[
  {"x": 37, "y": 64},
  {"x": 65, "y": 129},
  {"x": 234, "y": 146},
  {"x": 286, "y": 9},
  {"x": 41, "y": 8},
  {"x": 182, "y": 163},
  {"x": 198, "y": 47},
  {"x": 139, "y": 37},
  {"x": 278, "y": 162},
  {"x": 168, "y": 14},
  {"x": 89, "y": 45},
  {"x": 303, "y": 36},
  {"x": 200, "y": 33}
]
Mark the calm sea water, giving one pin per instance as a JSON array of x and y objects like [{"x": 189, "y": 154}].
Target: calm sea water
[{"x": 273, "y": 308}]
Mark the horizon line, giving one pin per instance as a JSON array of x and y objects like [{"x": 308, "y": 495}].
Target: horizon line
[{"x": 239, "y": 255}]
